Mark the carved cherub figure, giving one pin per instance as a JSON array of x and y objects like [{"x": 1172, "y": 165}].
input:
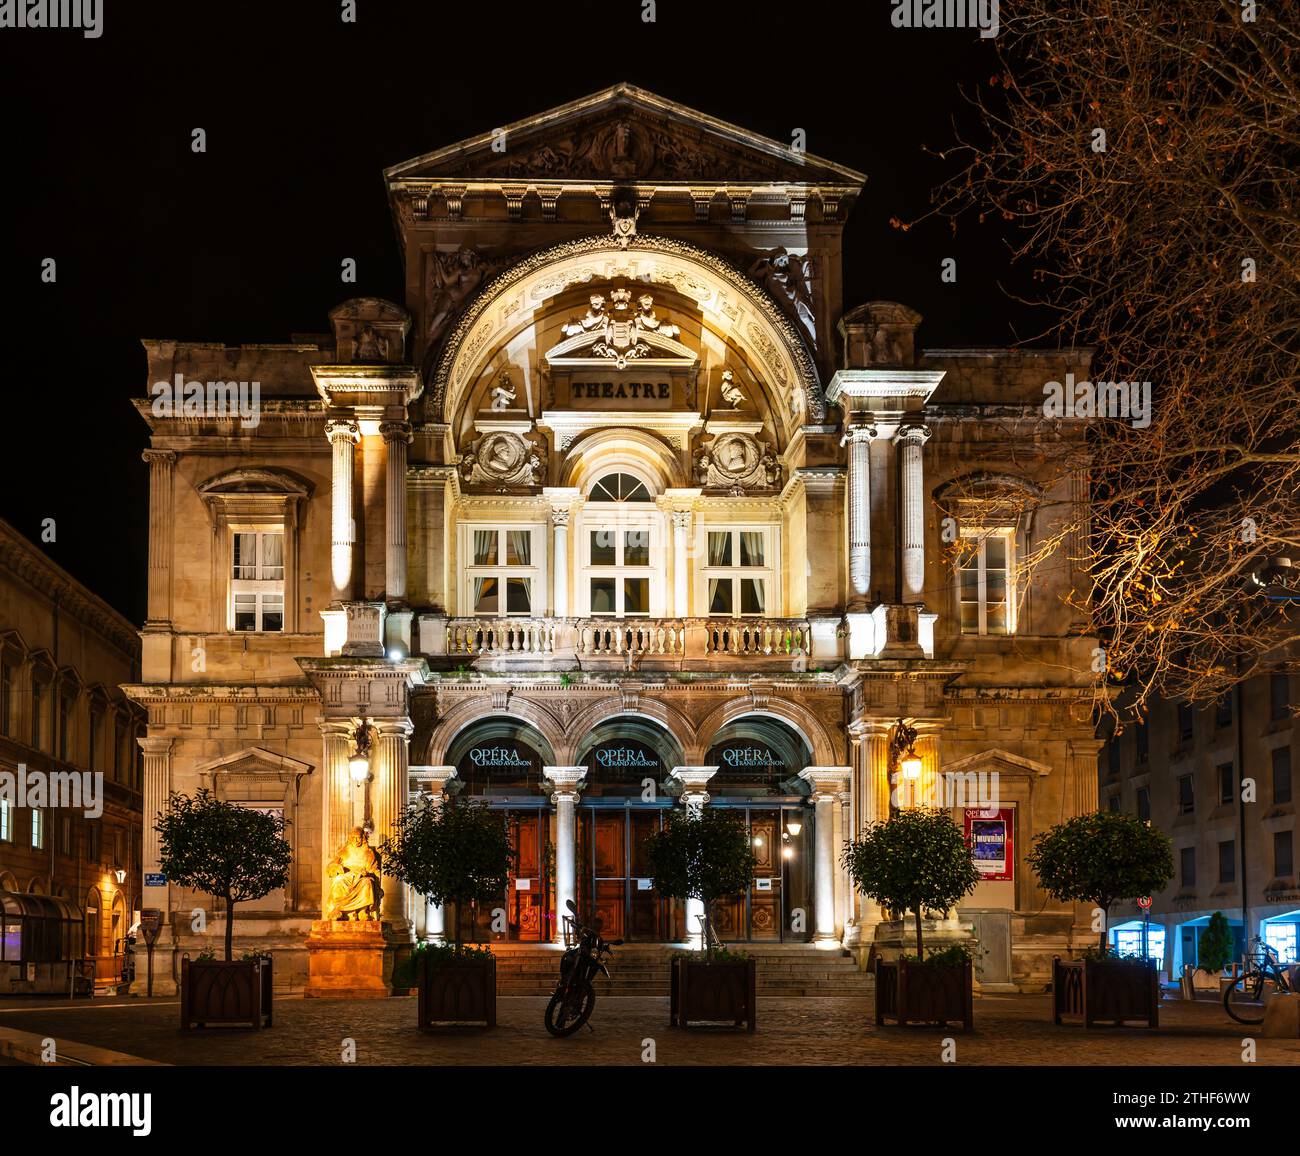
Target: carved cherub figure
[{"x": 732, "y": 394}]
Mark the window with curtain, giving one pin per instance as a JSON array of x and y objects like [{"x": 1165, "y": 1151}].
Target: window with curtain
[
  {"x": 738, "y": 569},
  {"x": 986, "y": 582},
  {"x": 502, "y": 571},
  {"x": 257, "y": 580}
]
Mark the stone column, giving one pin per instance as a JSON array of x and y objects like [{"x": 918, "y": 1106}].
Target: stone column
[
  {"x": 397, "y": 436},
  {"x": 858, "y": 438},
  {"x": 681, "y": 552},
  {"x": 432, "y": 783},
  {"x": 911, "y": 439},
  {"x": 694, "y": 797},
  {"x": 565, "y": 781},
  {"x": 560, "y": 562},
  {"x": 335, "y": 794},
  {"x": 389, "y": 766},
  {"x": 828, "y": 784},
  {"x": 874, "y": 807},
  {"x": 162, "y": 472},
  {"x": 157, "y": 785},
  {"x": 343, "y": 437}
]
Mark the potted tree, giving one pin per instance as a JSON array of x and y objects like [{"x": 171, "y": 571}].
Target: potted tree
[
  {"x": 235, "y": 854},
  {"x": 456, "y": 854},
  {"x": 1103, "y": 858},
  {"x": 1214, "y": 951},
  {"x": 704, "y": 854},
  {"x": 920, "y": 862}
]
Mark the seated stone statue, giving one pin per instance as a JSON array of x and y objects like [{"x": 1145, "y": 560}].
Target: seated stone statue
[{"x": 354, "y": 891}]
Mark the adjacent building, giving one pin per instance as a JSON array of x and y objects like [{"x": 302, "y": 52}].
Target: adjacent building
[
  {"x": 70, "y": 777},
  {"x": 620, "y": 506},
  {"x": 1218, "y": 781}
]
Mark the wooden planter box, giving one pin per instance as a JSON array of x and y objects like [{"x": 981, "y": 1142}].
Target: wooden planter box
[
  {"x": 1120, "y": 990},
  {"x": 234, "y": 994},
  {"x": 912, "y": 993},
  {"x": 713, "y": 992},
  {"x": 461, "y": 990}
]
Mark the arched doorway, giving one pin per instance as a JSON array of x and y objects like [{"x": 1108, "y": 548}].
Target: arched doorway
[
  {"x": 499, "y": 762},
  {"x": 759, "y": 759},
  {"x": 629, "y": 761}
]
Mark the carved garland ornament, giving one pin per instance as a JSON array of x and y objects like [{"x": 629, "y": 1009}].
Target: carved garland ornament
[{"x": 469, "y": 321}]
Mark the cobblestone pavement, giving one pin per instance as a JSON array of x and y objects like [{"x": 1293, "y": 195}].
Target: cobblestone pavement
[{"x": 1015, "y": 1029}]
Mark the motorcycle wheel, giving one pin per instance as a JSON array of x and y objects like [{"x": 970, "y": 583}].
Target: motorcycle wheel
[{"x": 564, "y": 1016}]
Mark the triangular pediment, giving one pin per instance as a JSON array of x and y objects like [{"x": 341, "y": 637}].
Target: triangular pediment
[{"x": 625, "y": 133}]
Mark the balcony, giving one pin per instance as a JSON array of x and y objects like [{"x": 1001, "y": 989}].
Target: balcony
[{"x": 614, "y": 643}]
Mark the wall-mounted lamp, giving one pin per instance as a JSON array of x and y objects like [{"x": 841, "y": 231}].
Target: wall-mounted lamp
[
  {"x": 902, "y": 750},
  {"x": 119, "y": 873},
  {"x": 359, "y": 763},
  {"x": 794, "y": 826}
]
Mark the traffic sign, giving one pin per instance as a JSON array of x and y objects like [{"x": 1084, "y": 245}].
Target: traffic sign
[{"x": 1145, "y": 902}]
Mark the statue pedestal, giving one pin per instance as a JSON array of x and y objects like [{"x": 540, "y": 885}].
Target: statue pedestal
[{"x": 352, "y": 960}]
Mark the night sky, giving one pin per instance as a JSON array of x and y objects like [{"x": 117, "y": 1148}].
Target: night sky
[{"x": 303, "y": 113}]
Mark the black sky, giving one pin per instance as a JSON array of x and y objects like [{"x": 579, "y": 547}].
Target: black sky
[{"x": 302, "y": 114}]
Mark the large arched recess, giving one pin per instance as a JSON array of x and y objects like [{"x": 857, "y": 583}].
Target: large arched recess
[{"x": 732, "y": 305}]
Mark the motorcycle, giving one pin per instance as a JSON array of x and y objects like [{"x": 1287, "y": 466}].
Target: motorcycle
[{"x": 574, "y": 998}]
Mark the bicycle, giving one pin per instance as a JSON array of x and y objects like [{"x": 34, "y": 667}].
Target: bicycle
[{"x": 1244, "y": 999}]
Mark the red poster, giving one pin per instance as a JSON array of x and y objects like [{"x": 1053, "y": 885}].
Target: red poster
[{"x": 990, "y": 835}]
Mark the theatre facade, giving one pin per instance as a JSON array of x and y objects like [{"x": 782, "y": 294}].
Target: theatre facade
[{"x": 620, "y": 508}]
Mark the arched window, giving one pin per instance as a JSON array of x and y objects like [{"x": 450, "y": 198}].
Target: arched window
[{"x": 619, "y": 488}]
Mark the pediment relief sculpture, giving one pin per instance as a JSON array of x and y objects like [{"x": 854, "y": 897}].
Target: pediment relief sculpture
[
  {"x": 615, "y": 329},
  {"x": 788, "y": 278},
  {"x": 451, "y": 279},
  {"x": 503, "y": 458},
  {"x": 737, "y": 462}
]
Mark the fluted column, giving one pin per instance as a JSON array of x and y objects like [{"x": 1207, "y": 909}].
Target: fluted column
[
  {"x": 432, "y": 782},
  {"x": 335, "y": 795},
  {"x": 397, "y": 436},
  {"x": 827, "y": 784},
  {"x": 911, "y": 441},
  {"x": 162, "y": 472},
  {"x": 560, "y": 562},
  {"x": 681, "y": 551},
  {"x": 157, "y": 787},
  {"x": 565, "y": 796},
  {"x": 694, "y": 797},
  {"x": 390, "y": 766},
  {"x": 875, "y": 799},
  {"x": 343, "y": 437},
  {"x": 858, "y": 438}
]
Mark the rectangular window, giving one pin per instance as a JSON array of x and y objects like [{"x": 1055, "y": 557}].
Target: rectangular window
[
  {"x": 1281, "y": 775},
  {"x": 38, "y": 829},
  {"x": 1142, "y": 743},
  {"x": 65, "y": 725},
  {"x": 38, "y": 708},
  {"x": 1228, "y": 861},
  {"x": 985, "y": 573},
  {"x": 1227, "y": 784},
  {"x": 92, "y": 740},
  {"x": 1187, "y": 866},
  {"x": 65, "y": 834},
  {"x": 738, "y": 573},
  {"x": 1186, "y": 795},
  {"x": 1279, "y": 695},
  {"x": 1186, "y": 722},
  {"x": 1223, "y": 710},
  {"x": 1112, "y": 804},
  {"x": 92, "y": 840},
  {"x": 1144, "y": 804},
  {"x": 6, "y": 821},
  {"x": 618, "y": 572},
  {"x": 1283, "y": 859},
  {"x": 1113, "y": 757},
  {"x": 1284, "y": 938},
  {"x": 257, "y": 580},
  {"x": 503, "y": 571}
]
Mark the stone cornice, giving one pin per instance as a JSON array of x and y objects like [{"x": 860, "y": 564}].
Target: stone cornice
[
  {"x": 217, "y": 693},
  {"x": 23, "y": 560}
]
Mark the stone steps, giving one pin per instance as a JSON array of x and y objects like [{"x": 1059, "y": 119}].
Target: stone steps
[{"x": 643, "y": 970}]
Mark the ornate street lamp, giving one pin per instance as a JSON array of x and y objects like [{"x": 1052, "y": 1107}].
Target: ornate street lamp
[
  {"x": 359, "y": 763},
  {"x": 902, "y": 750}
]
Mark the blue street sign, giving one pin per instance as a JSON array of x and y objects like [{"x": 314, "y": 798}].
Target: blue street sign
[{"x": 154, "y": 879}]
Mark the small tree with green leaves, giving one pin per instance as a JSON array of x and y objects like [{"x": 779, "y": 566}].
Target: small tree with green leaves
[
  {"x": 1215, "y": 950},
  {"x": 704, "y": 854},
  {"x": 918, "y": 861},
  {"x": 1102, "y": 858},
  {"x": 231, "y": 852},
  {"x": 458, "y": 853}
]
